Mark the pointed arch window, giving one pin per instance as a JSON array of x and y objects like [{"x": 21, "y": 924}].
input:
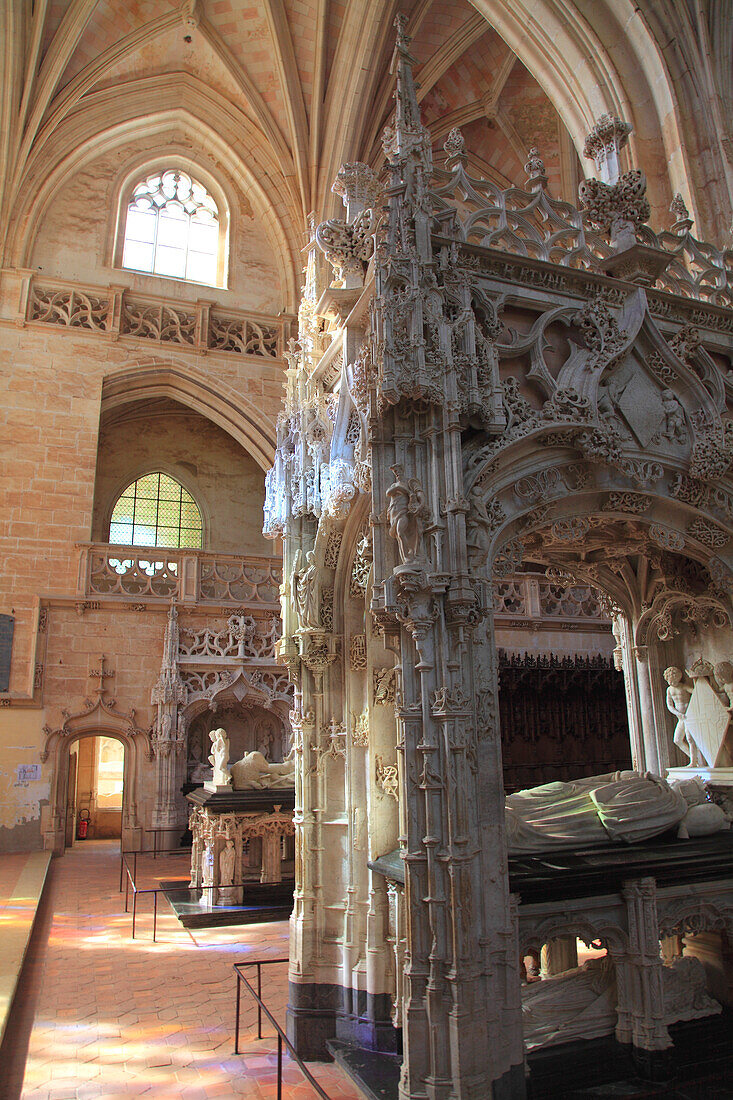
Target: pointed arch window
[
  {"x": 173, "y": 228},
  {"x": 156, "y": 511}
]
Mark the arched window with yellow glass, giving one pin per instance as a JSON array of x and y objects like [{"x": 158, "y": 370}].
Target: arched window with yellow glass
[{"x": 156, "y": 510}]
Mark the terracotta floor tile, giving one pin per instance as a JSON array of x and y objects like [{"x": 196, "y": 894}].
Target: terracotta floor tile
[{"x": 102, "y": 1017}]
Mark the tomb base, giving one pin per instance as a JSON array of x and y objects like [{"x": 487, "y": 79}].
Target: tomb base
[{"x": 242, "y": 842}]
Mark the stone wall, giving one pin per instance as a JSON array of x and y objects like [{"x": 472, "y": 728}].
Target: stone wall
[{"x": 224, "y": 480}]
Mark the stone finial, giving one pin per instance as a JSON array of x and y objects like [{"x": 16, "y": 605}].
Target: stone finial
[
  {"x": 535, "y": 169},
  {"x": 604, "y": 143},
  {"x": 682, "y": 221},
  {"x": 358, "y": 186},
  {"x": 455, "y": 147}
]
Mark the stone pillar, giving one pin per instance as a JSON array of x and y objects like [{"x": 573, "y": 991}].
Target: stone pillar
[
  {"x": 652, "y": 761},
  {"x": 559, "y": 955},
  {"x": 642, "y": 1012}
]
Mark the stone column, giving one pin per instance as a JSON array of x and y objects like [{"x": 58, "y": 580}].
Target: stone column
[
  {"x": 651, "y": 761},
  {"x": 643, "y": 991}
]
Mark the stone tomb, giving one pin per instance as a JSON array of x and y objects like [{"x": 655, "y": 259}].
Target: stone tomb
[{"x": 241, "y": 858}]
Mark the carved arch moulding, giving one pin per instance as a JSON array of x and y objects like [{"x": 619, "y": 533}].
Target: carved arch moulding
[{"x": 97, "y": 718}]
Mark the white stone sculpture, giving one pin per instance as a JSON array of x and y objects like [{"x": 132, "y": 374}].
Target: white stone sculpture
[
  {"x": 207, "y": 865},
  {"x": 227, "y": 892},
  {"x": 305, "y": 588},
  {"x": 406, "y": 514},
  {"x": 579, "y": 1004},
  {"x": 685, "y": 991},
  {"x": 708, "y": 721},
  {"x": 219, "y": 760},
  {"x": 626, "y": 807},
  {"x": 678, "y": 699},
  {"x": 582, "y": 1003},
  {"x": 254, "y": 772}
]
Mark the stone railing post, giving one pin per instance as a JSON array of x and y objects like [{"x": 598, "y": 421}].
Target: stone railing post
[
  {"x": 203, "y": 315},
  {"x": 115, "y": 311}
]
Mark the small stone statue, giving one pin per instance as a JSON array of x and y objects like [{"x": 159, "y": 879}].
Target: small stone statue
[
  {"x": 675, "y": 429},
  {"x": 227, "y": 894},
  {"x": 226, "y": 863},
  {"x": 407, "y": 511},
  {"x": 219, "y": 758},
  {"x": 678, "y": 699},
  {"x": 207, "y": 865},
  {"x": 478, "y": 533},
  {"x": 306, "y": 592}
]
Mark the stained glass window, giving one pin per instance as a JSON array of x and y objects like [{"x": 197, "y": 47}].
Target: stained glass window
[
  {"x": 173, "y": 228},
  {"x": 156, "y": 511}
]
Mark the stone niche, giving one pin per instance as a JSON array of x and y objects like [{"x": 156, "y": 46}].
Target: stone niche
[{"x": 249, "y": 729}]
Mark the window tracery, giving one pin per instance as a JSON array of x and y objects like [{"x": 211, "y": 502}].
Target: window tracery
[{"x": 173, "y": 228}]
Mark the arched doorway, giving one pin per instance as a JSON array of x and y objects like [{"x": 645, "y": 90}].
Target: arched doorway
[
  {"x": 96, "y": 787},
  {"x": 78, "y": 769}
]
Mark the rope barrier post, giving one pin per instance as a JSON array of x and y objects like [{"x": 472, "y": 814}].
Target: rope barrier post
[
  {"x": 155, "y": 912},
  {"x": 122, "y": 867},
  {"x": 259, "y": 1000},
  {"x": 279, "y": 1066},
  {"x": 127, "y": 891},
  {"x": 134, "y": 910},
  {"x": 239, "y": 1001}
]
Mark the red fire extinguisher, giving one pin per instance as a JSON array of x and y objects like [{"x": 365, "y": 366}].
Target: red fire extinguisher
[{"x": 82, "y": 825}]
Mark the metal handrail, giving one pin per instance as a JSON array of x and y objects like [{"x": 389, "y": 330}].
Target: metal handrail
[
  {"x": 155, "y": 890},
  {"x": 154, "y": 852},
  {"x": 281, "y": 1036}
]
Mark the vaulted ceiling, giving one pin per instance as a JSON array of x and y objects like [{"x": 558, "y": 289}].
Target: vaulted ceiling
[{"x": 279, "y": 93}]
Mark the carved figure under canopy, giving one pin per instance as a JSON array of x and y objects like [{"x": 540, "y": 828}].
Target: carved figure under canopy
[
  {"x": 626, "y": 807},
  {"x": 305, "y": 590},
  {"x": 219, "y": 758},
  {"x": 678, "y": 699},
  {"x": 406, "y": 515},
  {"x": 254, "y": 772}
]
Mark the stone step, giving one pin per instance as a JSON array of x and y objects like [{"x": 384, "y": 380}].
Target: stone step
[
  {"x": 377, "y": 1075},
  {"x": 22, "y": 881}
]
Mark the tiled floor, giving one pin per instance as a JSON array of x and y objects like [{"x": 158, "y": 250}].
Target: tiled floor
[{"x": 101, "y": 1016}]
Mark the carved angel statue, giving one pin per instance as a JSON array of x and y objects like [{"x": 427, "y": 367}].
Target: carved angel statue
[
  {"x": 678, "y": 699},
  {"x": 219, "y": 758},
  {"x": 305, "y": 590},
  {"x": 407, "y": 512}
]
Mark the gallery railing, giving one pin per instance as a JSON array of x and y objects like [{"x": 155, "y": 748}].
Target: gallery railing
[
  {"x": 152, "y": 574},
  {"x": 281, "y": 1036},
  {"x": 538, "y": 598},
  {"x": 119, "y": 313}
]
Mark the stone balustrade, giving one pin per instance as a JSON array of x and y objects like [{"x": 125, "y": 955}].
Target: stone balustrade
[
  {"x": 531, "y": 598},
  {"x": 120, "y": 313},
  {"x": 158, "y": 575}
]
